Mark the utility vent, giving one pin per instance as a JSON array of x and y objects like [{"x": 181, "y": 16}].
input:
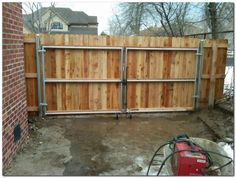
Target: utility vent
[{"x": 17, "y": 133}]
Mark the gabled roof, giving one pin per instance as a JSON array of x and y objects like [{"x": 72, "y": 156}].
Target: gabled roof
[
  {"x": 69, "y": 16},
  {"x": 75, "y": 17}
]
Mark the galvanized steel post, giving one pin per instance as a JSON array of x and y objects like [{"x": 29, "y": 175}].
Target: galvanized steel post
[
  {"x": 125, "y": 79},
  {"x": 200, "y": 72},
  {"x": 196, "y": 81},
  {"x": 43, "y": 82},
  {"x": 37, "y": 40},
  {"x": 121, "y": 79}
]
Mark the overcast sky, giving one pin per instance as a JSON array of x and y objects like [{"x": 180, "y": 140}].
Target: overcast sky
[{"x": 103, "y": 10}]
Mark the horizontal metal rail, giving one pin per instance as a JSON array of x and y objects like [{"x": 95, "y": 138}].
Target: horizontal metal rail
[
  {"x": 141, "y": 110},
  {"x": 83, "y": 47},
  {"x": 163, "y": 49},
  {"x": 82, "y": 112},
  {"x": 161, "y": 80},
  {"x": 159, "y": 110},
  {"x": 80, "y": 81}
]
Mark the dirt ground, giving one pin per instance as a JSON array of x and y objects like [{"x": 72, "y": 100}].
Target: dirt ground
[{"x": 101, "y": 145}]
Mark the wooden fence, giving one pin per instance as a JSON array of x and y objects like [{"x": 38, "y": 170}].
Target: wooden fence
[{"x": 85, "y": 64}]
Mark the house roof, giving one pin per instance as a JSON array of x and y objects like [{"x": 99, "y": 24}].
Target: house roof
[
  {"x": 69, "y": 16},
  {"x": 75, "y": 17}
]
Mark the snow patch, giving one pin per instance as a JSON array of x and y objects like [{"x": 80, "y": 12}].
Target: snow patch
[{"x": 227, "y": 148}]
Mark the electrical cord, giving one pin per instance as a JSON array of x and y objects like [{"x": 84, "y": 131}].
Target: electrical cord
[
  {"x": 173, "y": 141},
  {"x": 231, "y": 160},
  {"x": 208, "y": 156},
  {"x": 170, "y": 155},
  {"x": 189, "y": 142},
  {"x": 192, "y": 144},
  {"x": 149, "y": 166},
  {"x": 200, "y": 151},
  {"x": 169, "y": 142}
]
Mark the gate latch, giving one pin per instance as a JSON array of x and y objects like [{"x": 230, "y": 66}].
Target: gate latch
[{"x": 124, "y": 81}]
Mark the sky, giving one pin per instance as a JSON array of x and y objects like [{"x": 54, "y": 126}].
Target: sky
[{"x": 103, "y": 10}]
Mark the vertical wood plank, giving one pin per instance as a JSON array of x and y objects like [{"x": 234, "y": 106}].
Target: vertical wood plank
[
  {"x": 211, "y": 98},
  {"x": 131, "y": 72},
  {"x": 166, "y": 98},
  {"x": 102, "y": 64}
]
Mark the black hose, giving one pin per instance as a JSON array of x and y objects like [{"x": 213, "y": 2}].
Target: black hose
[
  {"x": 191, "y": 143},
  {"x": 209, "y": 160},
  {"x": 231, "y": 160},
  {"x": 170, "y": 155},
  {"x": 173, "y": 141},
  {"x": 188, "y": 141},
  {"x": 200, "y": 151},
  {"x": 155, "y": 155},
  {"x": 208, "y": 156}
]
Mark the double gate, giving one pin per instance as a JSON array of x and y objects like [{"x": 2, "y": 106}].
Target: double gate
[{"x": 117, "y": 79}]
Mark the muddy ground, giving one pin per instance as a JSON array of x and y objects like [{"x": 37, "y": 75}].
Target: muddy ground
[{"x": 101, "y": 145}]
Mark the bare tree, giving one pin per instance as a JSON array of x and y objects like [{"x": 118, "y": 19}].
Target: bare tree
[
  {"x": 211, "y": 12},
  {"x": 181, "y": 19},
  {"x": 138, "y": 16},
  {"x": 130, "y": 19},
  {"x": 218, "y": 16},
  {"x": 33, "y": 16},
  {"x": 115, "y": 26},
  {"x": 172, "y": 16},
  {"x": 173, "y": 19}
]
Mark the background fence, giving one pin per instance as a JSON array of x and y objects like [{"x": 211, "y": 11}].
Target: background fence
[{"x": 130, "y": 79}]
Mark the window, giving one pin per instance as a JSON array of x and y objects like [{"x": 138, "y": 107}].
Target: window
[{"x": 56, "y": 25}]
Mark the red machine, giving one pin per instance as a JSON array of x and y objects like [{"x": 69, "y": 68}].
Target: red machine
[
  {"x": 187, "y": 159},
  {"x": 188, "y": 163}
]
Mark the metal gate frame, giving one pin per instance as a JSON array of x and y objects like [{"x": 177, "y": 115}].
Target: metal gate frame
[
  {"x": 196, "y": 80},
  {"x": 42, "y": 104}
]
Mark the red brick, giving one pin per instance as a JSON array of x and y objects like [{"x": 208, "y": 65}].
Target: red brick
[{"x": 14, "y": 109}]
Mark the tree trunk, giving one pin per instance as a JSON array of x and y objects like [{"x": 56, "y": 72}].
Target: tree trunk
[{"x": 213, "y": 19}]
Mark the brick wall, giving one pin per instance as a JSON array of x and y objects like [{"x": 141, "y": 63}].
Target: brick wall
[{"x": 14, "y": 109}]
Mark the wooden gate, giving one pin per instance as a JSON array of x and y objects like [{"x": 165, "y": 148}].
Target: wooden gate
[
  {"x": 100, "y": 74},
  {"x": 80, "y": 77},
  {"x": 164, "y": 77}
]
